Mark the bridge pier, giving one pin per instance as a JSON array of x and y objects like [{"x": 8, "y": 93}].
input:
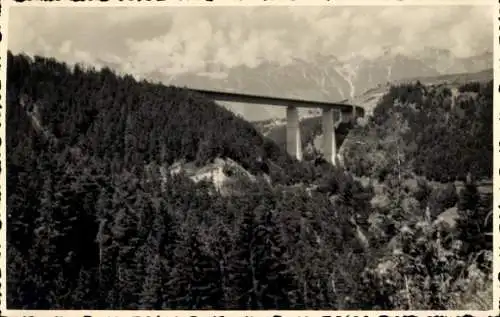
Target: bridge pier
[
  {"x": 329, "y": 141},
  {"x": 293, "y": 140}
]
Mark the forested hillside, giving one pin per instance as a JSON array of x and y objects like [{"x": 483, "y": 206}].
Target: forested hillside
[
  {"x": 441, "y": 139},
  {"x": 94, "y": 224},
  {"x": 428, "y": 133},
  {"x": 134, "y": 122}
]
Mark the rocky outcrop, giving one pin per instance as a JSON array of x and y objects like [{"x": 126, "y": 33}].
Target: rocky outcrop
[{"x": 222, "y": 173}]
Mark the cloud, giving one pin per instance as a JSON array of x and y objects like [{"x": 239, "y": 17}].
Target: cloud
[{"x": 178, "y": 39}]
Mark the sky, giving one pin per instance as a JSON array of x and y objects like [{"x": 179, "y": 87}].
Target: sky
[
  {"x": 174, "y": 40},
  {"x": 209, "y": 41}
]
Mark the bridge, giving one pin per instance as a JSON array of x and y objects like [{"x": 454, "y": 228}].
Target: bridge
[{"x": 293, "y": 140}]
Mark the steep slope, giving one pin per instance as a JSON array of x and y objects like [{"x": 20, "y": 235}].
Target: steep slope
[
  {"x": 445, "y": 63},
  {"x": 89, "y": 109},
  {"x": 444, "y": 134}
]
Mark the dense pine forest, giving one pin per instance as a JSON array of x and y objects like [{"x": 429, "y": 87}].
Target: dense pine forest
[
  {"x": 94, "y": 222},
  {"x": 435, "y": 137}
]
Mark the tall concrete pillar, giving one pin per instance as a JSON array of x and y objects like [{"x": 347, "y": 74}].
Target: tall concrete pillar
[
  {"x": 329, "y": 142},
  {"x": 293, "y": 141}
]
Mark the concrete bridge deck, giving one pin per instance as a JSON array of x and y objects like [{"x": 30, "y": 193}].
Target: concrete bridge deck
[
  {"x": 277, "y": 101},
  {"x": 293, "y": 143}
]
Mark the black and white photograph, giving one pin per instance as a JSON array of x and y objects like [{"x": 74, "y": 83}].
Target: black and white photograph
[{"x": 261, "y": 157}]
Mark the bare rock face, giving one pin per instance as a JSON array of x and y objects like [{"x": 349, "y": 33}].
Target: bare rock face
[{"x": 223, "y": 173}]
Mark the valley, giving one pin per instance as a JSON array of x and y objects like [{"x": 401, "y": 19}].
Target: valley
[{"x": 150, "y": 196}]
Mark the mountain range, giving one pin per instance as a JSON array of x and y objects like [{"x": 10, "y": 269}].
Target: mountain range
[{"x": 324, "y": 78}]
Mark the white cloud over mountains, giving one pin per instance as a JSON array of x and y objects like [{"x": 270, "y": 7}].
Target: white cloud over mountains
[{"x": 208, "y": 39}]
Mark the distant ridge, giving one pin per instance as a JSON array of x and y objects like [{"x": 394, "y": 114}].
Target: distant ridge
[{"x": 457, "y": 78}]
